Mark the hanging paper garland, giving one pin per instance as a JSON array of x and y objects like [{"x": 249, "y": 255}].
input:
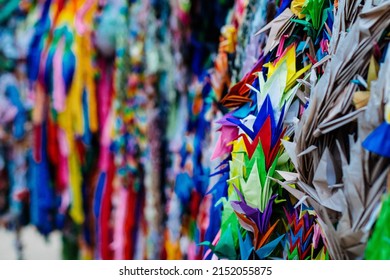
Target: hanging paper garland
[{"x": 196, "y": 129}]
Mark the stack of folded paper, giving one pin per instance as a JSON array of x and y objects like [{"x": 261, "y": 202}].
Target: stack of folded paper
[{"x": 197, "y": 129}]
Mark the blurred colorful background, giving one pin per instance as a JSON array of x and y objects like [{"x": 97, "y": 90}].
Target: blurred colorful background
[{"x": 194, "y": 129}]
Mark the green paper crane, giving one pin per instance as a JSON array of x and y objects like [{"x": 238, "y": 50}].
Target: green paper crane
[{"x": 378, "y": 247}]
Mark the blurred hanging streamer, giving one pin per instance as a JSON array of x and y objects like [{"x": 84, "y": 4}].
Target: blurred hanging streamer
[{"x": 194, "y": 129}]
